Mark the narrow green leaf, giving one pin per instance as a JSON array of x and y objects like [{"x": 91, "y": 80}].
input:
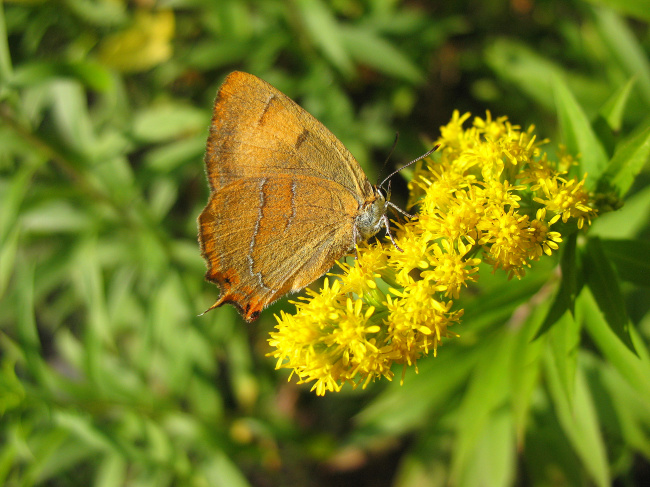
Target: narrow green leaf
[
  {"x": 604, "y": 284},
  {"x": 630, "y": 408},
  {"x": 219, "y": 469},
  {"x": 580, "y": 423},
  {"x": 168, "y": 121},
  {"x": 71, "y": 111},
  {"x": 12, "y": 195},
  {"x": 518, "y": 64},
  {"x": 487, "y": 392},
  {"x": 578, "y": 133},
  {"x": 83, "y": 428},
  {"x": 5, "y": 55},
  {"x": 394, "y": 412},
  {"x": 26, "y": 325},
  {"x": 628, "y": 161},
  {"x": 568, "y": 290},
  {"x": 168, "y": 157},
  {"x": 564, "y": 340},
  {"x": 323, "y": 29},
  {"x": 634, "y": 367},
  {"x": 635, "y": 8},
  {"x": 8, "y": 251},
  {"x": 55, "y": 217},
  {"x": 89, "y": 282},
  {"x": 99, "y": 13},
  {"x": 526, "y": 363},
  {"x": 9, "y": 455},
  {"x": 532, "y": 73},
  {"x": 610, "y": 116},
  {"x": 625, "y": 47},
  {"x": 626, "y": 223},
  {"x": 44, "y": 448},
  {"x": 631, "y": 258},
  {"x": 111, "y": 471},
  {"x": 613, "y": 109},
  {"x": 497, "y": 303},
  {"x": 367, "y": 48},
  {"x": 494, "y": 458},
  {"x": 93, "y": 75},
  {"x": 216, "y": 53}
]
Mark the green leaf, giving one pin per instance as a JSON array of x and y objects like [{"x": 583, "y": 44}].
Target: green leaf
[
  {"x": 635, "y": 368},
  {"x": 99, "y": 13},
  {"x": 168, "y": 157},
  {"x": 532, "y": 73},
  {"x": 564, "y": 341},
  {"x": 612, "y": 110},
  {"x": 628, "y": 161},
  {"x": 625, "y": 47},
  {"x": 217, "y": 53},
  {"x": 578, "y": 134},
  {"x": 493, "y": 461},
  {"x": 93, "y": 75},
  {"x": 112, "y": 471},
  {"x": 12, "y": 195},
  {"x": 626, "y": 223},
  {"x": 486, "y": 394},
  {"x": 610, "y": 117},
  {"x": 367, "y": 48},
  {"x": 74, "y": 123},
  {"x": 26, "y": 329},
  {"x": 394, "y": 412},
  {"x": 604, "y": 284},
  {"x": 89, "y": 282},
  {"x": 517, "y": 63},
  {"x": 569, "y": 287},
  {"x": 168, "y": 121},
  {"x": 635, "y": 8},
  {"x": 527, "y": 356},
  {"x": 8, "y": 251},
  {"x": 631, "y": 258},
  {"x": 5, "y": 55},
  {"x": 629, "y": 412},
  {"x": 219, "y": 469},
  {"x": 580, "y": 423},
  {"x": 323, "y": 29}
]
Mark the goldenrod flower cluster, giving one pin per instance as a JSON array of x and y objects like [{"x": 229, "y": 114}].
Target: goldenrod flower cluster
[{"x": 491, "y": 192}]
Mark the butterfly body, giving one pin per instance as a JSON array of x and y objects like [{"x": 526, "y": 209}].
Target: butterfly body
[{"x": 287, "y": 198}]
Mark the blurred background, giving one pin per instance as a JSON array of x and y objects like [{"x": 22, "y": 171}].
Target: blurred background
[{"x": 108, "y": 375}]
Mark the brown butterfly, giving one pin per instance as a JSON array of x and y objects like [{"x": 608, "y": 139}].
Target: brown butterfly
[{"x": 287, "y": 198}]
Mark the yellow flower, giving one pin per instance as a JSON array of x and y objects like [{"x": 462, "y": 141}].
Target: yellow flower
[
  {"x": 417, "y": 321},
  {"x": 489, "y": 190},
  {"x": 451, "y": 269},
  {"x": 567, "y": 199}
]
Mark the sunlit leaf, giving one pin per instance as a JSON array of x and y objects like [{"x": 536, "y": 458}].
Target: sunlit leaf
[
  {"x": 578, "y": 134},
  {"x": 603, "y": 282}
]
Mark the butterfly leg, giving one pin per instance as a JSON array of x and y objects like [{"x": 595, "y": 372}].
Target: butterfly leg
[
  {"x": 355, "y": 239},
  {"x": 388, "y": 232}
]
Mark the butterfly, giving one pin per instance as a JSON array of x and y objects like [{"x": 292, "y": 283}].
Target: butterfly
[{"x": 287, "y": 199}]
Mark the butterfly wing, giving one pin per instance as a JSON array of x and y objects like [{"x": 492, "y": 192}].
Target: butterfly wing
[
  {"x": 286, "y": 234},
  {"x": 285, "y": 196},
  {"x": 257, "y": 131}
]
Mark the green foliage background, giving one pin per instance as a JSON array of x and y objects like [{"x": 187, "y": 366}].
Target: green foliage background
[{"x": 108, "y": 377}]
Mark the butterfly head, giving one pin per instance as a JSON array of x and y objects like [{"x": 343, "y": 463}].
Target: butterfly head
[{"x": 371, "y": 217}]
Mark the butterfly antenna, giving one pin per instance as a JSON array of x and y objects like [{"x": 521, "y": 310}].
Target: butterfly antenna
[{"x": 407, "y": 165}]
